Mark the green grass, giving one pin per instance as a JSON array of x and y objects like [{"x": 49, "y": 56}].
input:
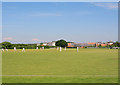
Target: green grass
[{"x": 53, "y": 66}]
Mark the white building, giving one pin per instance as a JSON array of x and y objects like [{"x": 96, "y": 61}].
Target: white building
[
  {"x": 51, "y": 43},
  {"x": 38, "y": 44},
  {"x": 45, "y": 44}
]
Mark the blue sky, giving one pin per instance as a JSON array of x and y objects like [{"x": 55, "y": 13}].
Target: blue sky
[{"x": 32, "y": 22}]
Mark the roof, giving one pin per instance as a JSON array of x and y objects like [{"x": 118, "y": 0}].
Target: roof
[{"x": 92, "y": 43}]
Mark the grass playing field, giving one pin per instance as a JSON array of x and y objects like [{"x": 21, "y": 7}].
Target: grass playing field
[{"x": 53, "y": 66}]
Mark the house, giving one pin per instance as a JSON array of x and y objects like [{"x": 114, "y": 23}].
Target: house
[
  {"x": 103, "y": 44},
  {"x": 38, "y": 44},
  {"x": 70, "y": 44},
  {"x": 91, "y": 44},
  {"x": 45, "y": 44},
  {"x": 80, "y": 44},
  {"x": 98, "y": 43},
  {"x": 110, "y": 42},
  {"x": 52, "y": 43}
]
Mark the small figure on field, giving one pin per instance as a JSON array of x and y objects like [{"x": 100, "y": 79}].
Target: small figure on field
[
  {"x": 57, "y": 48},
  {"x": 37, "y": 48},
  {"x": 65, "y": 48},
  {"x": 77, "y": 49},
  {"x": 60, "y": 49},
  {"x": 2, "y": 49},
  {"x": 42, "y": 47},
  {"x": 14, "y": 48},
  {"x": 23, "y": 50},
  {"x": 6, "y": 49}
]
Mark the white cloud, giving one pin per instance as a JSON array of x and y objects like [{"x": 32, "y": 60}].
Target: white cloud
[
  {"x": 107, "y": 5},
  {"x": 36, "y": 39},
  {"x": 8, "y": 38}
]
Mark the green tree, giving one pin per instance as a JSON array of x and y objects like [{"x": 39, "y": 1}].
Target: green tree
[
  {"x": 6, "y": 45},
  {"x": 61, "y": 43},
  {"x": 41, "y": 43},
  {"x": 99, "y": 46},
  {"x": 116, "y": 44}
]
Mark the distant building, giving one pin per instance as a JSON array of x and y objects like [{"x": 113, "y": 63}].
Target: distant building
[
  {"x": 80, "y": 44},
  {"x": 98, "y": 43},
  {"x": 110, "y": 42},
  {"x": 70, "y": 44},
  {"x": 52, "y": 43},
  {"x": 103, "y": 44},
  {"x": 91, "y": 44},
  {"x": 38, "y": 44},
  {"x": 45, "y": 44}
]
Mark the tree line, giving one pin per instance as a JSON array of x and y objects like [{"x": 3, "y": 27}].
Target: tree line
[
  {"x": 59, "y": 43},
  {"x": 9, "y": 45}
]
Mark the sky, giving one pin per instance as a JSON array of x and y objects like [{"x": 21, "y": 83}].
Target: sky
[{"x": 34, "y": 22}]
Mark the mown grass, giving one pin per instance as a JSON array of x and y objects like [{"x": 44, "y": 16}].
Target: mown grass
[{"x": 53, "y": 66}]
